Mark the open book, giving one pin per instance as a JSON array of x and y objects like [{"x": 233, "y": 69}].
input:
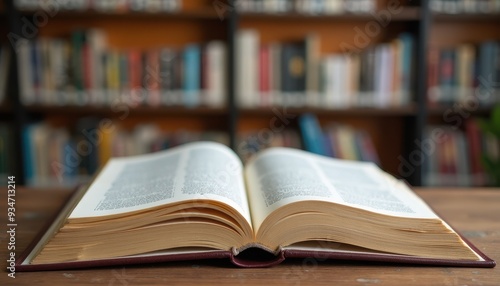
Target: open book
[{"x": 198, "y": 201}]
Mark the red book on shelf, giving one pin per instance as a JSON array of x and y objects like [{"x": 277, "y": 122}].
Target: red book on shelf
[
  {"x": 442, "y": 148},
  {"x": 135, "y": 72},
  {"x": 433, "y": 77},
  {"x": 264, "y": 75},
  {"x": 474, "y": 142},
  {"x": 153, "y": 77},
  {"x": 453, "y": 157},
  {"x": 87, "y": 67}
]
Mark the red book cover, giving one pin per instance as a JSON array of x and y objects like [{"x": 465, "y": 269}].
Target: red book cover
[
  {"x": 153, "y": 77},
  {"x": 453, "y": 156},
  {"x": 260, "y": 257},
  {"x": 334, "y": 139},
  {"x": 22, "y": 264},
  {"x": 86, "y": 234},
  {"x": 474, "y": 143},
  {"x": 369, "y": 147},
  {"x": 442, "y": 151},
  {"x": 134, "y": 73},
  {"x": 87, "y": 69}
]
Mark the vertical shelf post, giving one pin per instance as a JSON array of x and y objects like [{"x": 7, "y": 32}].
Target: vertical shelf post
[
  {"x": 19, "y": 113},
  {"x": 415, "y": 126},
  {"x": 232, "y": 22}
]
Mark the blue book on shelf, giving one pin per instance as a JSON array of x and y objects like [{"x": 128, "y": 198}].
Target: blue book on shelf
[
  {"x": 407, "y": 56},
  {"x": 327, "y": 142},
  {"x": 192, "y": 62},
  {"x": 68, "y": 153},
  {"x": 486, "y": 70},
  {"x": 312, "y": 136},
  {"x": 27, "y": 149},
  {"x": 36, "y": 68}
]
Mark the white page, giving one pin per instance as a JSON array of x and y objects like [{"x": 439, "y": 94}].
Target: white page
[
  {"x": 279, "y": 176},
  {"x": 193, "y": 171}
]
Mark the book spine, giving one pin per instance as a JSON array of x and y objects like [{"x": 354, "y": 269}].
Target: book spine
[
  {"x": 293, "y": 78},
  {"x": 167, "y": 72},
  {"x": 264, "y": 75},
  {"x": 192, "y": 57},
  {"x": 36, "y": 71},
  {"x": 496, "y": 76},
  {"x": 486, "y": 61},
  {"x": 124, "y": 87},
  {"x": 153, "y": 77},
  {"x": 134, "y": 75},
  {"x": 26, "y": 80},
  {"x": 312, "y": 134},
  {"x": 28, "y": 154},
  {"x": 217, "y": 73},
  {"x": 247, "y": 82},
  {"x": 77, "y": 63},
  {"x": 446, "y": 78},
  {"x": 407, "y": 67},
  {"x": 433, "y": 96}
]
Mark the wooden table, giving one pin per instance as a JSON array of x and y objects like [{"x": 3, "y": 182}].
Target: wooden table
[{"x": 474, "y": 212}]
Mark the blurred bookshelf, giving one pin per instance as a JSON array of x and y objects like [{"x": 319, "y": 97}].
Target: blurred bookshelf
[
  {"x": 226, "y": 70},
  {"x": 144, "y": 111},
  {"x": 409, "y": 110}
]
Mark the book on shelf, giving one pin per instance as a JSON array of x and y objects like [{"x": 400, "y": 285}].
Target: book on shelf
[
  {"x": 295, "y": 74},
  {"x": 464, "y": 74},
  {"x": 456, "y": 158},
  {"x": 312, "y": 7},
  {"x": 337, "y": 140},
  {"x": 58, "y": 156},
  {"x": 85, "y": 71},
  {"x": 107, "y": 6},
  {"x": 465, "y": 6},
  {"x": 198, "y": 201},
  {"x": 312, "y": 135}
]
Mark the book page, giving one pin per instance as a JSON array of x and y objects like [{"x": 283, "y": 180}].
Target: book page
[
  {"x": 196, "y": 171},
  {"x": 279, "y": 176}
]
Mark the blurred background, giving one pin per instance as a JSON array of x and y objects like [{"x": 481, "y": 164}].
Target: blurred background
[{"x": 413, "y": 86}]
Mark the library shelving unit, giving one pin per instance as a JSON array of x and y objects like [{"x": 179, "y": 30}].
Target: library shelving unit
[
  {"x": 195, "y": 23},
  {"x": 395, "y": 131},
  {"x": 466, "y": 30},
  {"x": 392, "y": 129}
]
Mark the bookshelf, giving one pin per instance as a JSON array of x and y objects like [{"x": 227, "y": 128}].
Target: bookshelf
[
  {"x": 335, "y": 31},
  {"x": 195, "y": 23},
  {"x": 461, "y": 31},
  {"x": 394, "y": 129}
]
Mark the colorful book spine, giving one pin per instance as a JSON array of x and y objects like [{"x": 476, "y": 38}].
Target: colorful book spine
[{"x": 312, "y": 135}]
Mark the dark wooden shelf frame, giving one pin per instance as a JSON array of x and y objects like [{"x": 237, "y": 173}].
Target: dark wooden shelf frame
[
  {"x": 464, "y": 17},
  {"x": 438, "y": 111},
  {"x": 355, "y": 111},
  {"x": 208, "y": 14},
  {"x": 408, "y": 14}
]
